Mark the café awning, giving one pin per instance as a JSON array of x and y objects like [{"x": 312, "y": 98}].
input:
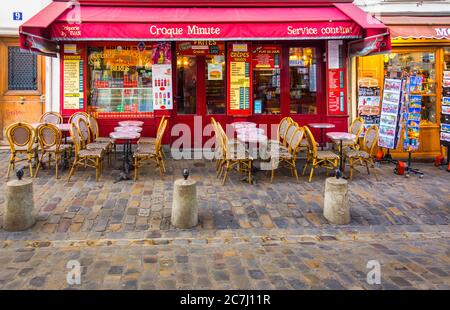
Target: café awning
[
  {"x": 58, "y": 23},
  {"x": 418, "y": 27}
]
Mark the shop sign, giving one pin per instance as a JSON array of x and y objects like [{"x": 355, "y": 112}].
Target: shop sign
[
  {"x": 239, "y": 82},
  {"x": 304, "y": 30},
  {"x": 442, "y": 32},
  {"x": 200, "y": 47},
  {"x": 267, "y": 56}
]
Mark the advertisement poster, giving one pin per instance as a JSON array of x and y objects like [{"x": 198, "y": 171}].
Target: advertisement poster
[
  {"x": 161, "y": 52},
  {"x": 73, "y": 82},
  {"x": 445, "y": 132},
  {"x": 412, "y": 115},
  {"x": 239, "y": 79},
  {"x": 390, "y": 112},
  {"x": 369, "y": 106},
  {"x": 215, "y": 72},
  {"x": 446, "y": 105},
  {"x": 204, "y": 47},
  {"x": 336, "y": 78},
  {"x": 162, "y": 87},
  {"x": 267, "y": 56}
]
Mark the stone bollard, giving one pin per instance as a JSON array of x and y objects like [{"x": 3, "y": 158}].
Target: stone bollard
[
  {"x": 19, "y": 205},
  {"x": 336, "y": 206},
  {"x": 184, "y": 206}
]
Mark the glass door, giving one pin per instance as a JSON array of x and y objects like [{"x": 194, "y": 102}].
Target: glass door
[{"x": 186, "y": 85}]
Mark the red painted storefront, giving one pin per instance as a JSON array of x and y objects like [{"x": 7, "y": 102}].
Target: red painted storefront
[{"x": 321, "y": 28}]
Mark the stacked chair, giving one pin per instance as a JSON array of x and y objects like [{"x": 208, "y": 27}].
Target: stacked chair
[
  {"x": 231, "y": 154},
  {"x": 95, "y": 138},
  {"x": 51, "y": 118},
  {"x": 286, "y": 154},
  {"x": 363, "y": 156},
  {"x": 150, "y": 151},
  {"x": 51, "y": 143},
  {"x": 21, "y": 138},
  {"x": 326, "y": 159},
  {"x": 86, "y": 157}
]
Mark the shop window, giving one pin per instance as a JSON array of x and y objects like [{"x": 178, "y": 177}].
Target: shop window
[
  {"x": 303, "y": 80},
  {"x": 266, "y": 79},
  {"x": 187, "y": 85},
  {"x": 22, "y": 70},
  {"x": 215, "y": 84},
  {"x": 121, "y": 76},
  {"x": 398, "y": 65}
]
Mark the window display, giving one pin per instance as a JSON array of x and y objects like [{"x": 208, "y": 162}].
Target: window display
[
  {"x": 215, "y": 84},
  {"x": 121, "y": 76},
  {"x": 303, "y": 84},
  {"x": 423, "y": 64}
]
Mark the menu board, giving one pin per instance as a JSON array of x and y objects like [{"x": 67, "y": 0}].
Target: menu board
[
  {"x": 336, "y": 78},
  {"x": 162, "y": 87},
  {"x": 369, "y": 105},
  {"x": 239, "y": 79},
  {"x": 73, "y": 82},
  {"x": 267, "y": 56},
  {"x": 390, "y": 113}
]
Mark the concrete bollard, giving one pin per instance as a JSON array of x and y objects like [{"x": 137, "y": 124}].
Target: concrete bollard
[
  {"x": 184, "y": 206},
  {"x": 336, "y": 203},
  {"x": 19, "y": 205}
]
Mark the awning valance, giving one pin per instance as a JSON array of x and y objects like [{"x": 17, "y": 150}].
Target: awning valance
[
  {"x": 120, "y": 23},
  {"x": 419, "y": 27}
]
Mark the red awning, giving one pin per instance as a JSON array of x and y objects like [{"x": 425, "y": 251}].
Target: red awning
[
  {"x": 421, "y": 27},
  {"x": 94, "y": 22}
]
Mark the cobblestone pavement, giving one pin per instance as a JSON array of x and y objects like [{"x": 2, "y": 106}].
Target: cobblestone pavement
[
  {"x": 249, "y": 236},
  {"x": 235, "y": 264}
]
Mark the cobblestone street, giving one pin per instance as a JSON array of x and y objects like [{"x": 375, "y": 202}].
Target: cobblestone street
[{"x": 249, "y": 236}]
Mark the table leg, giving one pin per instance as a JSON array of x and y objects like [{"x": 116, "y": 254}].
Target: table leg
[
  {"x": 125, "y": 174},
  {"x": 339, "y": 171}
]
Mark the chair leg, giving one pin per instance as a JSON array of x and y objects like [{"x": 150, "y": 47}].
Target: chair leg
[
  {"x": 304, "y": 168},
  {"x": 72, "y": 170},
  {"x": 351, "y": 168},
  {"x": 49, "y": 160},
  {"x": 250, "y": 179},
  {"x": 56, "y": 165},
  {"x": 226, "y": 173},
  {"x": 135, "y": 169},
  {"x": 11, "y": 163},
  {"x": 367, "y": 167},
  {"x": 272, "y": 173},
  {"x": 312, "y": 170},
  {"x": 374, "y": 169},
  {"x": 30, "y": 163},
  {"x": 163, "y": 165},
  {"x": 97, "y": 169},
  {"x": 294, "y": 167}
]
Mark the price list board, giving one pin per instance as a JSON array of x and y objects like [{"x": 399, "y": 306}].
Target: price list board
[
  {"x": 239, "y": 79},
  {"x": 369, "y": 105}
]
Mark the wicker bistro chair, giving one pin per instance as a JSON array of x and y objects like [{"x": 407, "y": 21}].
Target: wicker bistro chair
[
  {"x": 50, "y": 141},
  {"x": 288, "y": 158},
  {"x": 364, "y": 156},
  {"x": 325, "y": 159},
  {"x": 51, "y": 118},
  {"x": 234, "y": 155},
  {"x": 87, "y": 158},
  {"x": 145, "y": 140},
  {"x": 76, "y": 116},
  {"x": 86, "y": 143},
  {"x": 282, "y": 128},
  {"x": 152, "y": 152},
  {"x": 356, "y": 128},
  {"x": 21, "y": 139},
  {"x": 98, "y": 141}
]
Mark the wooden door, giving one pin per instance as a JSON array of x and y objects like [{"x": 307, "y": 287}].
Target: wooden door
[{"x": 22, "y": 85}]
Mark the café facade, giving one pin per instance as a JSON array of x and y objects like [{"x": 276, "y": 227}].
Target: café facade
[{"x": 232, "y": 60}]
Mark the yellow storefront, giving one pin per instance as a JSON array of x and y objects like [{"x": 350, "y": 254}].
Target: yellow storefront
[{"x": 420, "y": 45}]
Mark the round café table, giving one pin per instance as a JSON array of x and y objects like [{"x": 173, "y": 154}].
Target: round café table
[
  {"x": 252, "y": 140},
  {"x": 128, "y": 129},
  {"x": 341, "y": 136},
  {"x": 131, "y": 123},
  {"x": 322, "y": 127},
  {"x": 237, "y": 125},
  {"x": 126, "y": 136}
]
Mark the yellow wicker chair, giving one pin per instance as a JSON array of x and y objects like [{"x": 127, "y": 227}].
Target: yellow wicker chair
[
  {"x": 325, "y": 159},
  {"x": 51, "y": 118},
  {"x": 104, "y": 143},
  {"x": 356, "y": 128},
  {"x": 21, "y": 139},
  {"x": 152, "y": 152},
  {"x": 282, "y": 128},
  {"x": 87, "y": 158},
  {"x": 288, "y": 158},
  {"x": 144, "y": 140},
  {"x": 50, "y": 141},
  {"x": 364, "y": 155},
  {"x": 76, "y": 116},
  {"x": 234, "y": 155}
]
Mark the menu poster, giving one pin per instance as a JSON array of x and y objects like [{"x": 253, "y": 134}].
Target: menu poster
[
  {"x": 215, "y": 72},
  {"x": 267, "y": 56},
  {"x": 239, "y": 79},
  {"x": 162, "y": 87},
  {"x": 336, "y": 78},
  {"x": 390, "y": 113},
  {"x": 73, "y": 82}
]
